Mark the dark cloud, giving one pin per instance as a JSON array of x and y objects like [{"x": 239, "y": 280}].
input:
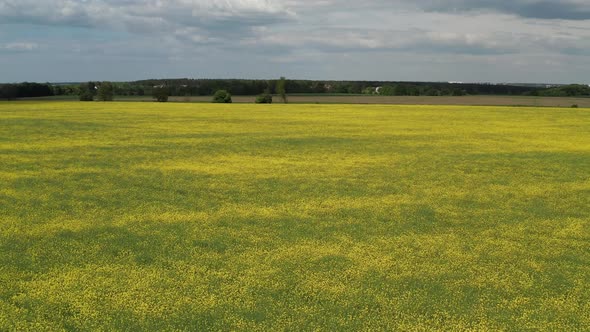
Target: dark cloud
[{"x": 555, "y": 9}]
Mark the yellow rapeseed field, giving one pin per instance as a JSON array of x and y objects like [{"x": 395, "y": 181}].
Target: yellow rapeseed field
[{"x": 172, "y": 217}]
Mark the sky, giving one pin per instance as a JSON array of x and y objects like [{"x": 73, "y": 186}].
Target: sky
[{"x": 544, "y": 41}]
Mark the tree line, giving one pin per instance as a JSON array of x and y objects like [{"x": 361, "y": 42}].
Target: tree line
[
  {"x": 280, "y": 87},
  {"x": 25, "y": 90}
]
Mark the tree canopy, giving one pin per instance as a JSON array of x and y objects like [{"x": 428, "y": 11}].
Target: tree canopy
[
  {"x": 105, "y": 91},
  {"x": 161, "y": 93},
  {"x": 282, "y": 89},
  {"x": 222, "y": 96},
  {"x": 86, "y": 91}
]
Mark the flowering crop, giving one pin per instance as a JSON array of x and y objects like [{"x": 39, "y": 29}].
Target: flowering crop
[{"x": 145, "y": 216}]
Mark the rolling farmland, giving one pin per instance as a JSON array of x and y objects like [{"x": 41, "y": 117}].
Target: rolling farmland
[{"x": 146, "y": 216}]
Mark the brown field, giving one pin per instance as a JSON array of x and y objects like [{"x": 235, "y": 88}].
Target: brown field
[
  {"x": 419, "y": 100},
  {"x": 393, "y": 100}
]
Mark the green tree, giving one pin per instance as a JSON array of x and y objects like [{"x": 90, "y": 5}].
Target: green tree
[
  {"x": 458, "y": 92},
  {"x": 387, "y": 90},
  {"x": 265, "y": 98},
  {"x": 161, "y": 93},
  {"x": 368, "y": 90},
  {"x": 106, "y": 91},
  {"x": 400, "y": 90},
  {"x": 431, "y": 92},
  {"x": 222, "y": 96},
  {"x": 8, "y": 91},
  {"x": 282, "y": 90},
  {"x": 86, "y": 91}
]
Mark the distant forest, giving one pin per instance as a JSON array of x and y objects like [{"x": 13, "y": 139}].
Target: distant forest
[{"x": 207, "y": 87}]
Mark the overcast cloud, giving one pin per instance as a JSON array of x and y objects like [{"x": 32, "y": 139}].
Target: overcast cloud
[{"x": 426, "y": 40}]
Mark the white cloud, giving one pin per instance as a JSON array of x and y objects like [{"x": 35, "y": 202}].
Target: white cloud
[
  {"x": 324, "y": 33},
  {"x": 146, "y": 13},
  {"x": 19, "y": 47}
]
